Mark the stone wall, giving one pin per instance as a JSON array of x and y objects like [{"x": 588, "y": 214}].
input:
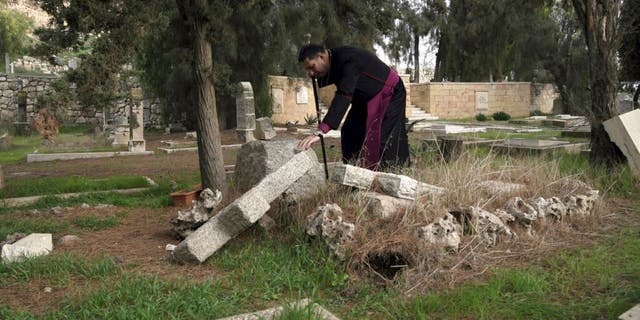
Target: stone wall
[
  {"x": 9, "y": 85},
  {"x": 292, "y": 99},
  {"x": 36, "y": 85},
  {"x": 455, "y": 100},
  {"x": 544, "y": 97}
]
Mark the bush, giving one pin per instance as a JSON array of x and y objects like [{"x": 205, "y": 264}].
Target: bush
[
  {"x": 501, "y": 116},
  {"x": 481, "y": 117}
]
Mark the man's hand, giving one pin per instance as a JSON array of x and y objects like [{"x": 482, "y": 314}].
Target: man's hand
[{"x": 306, "y": 143}]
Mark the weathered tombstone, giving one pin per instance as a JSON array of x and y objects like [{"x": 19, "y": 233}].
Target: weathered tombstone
[
  {"x": 245, "y": 113},
  {"x": 136, "y": 141},
  {"x": 257, "y": 159},
  {"x": 264, "y": 129}
]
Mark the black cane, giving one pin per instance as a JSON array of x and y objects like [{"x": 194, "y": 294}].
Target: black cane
[{"x": 318, "y": 115}]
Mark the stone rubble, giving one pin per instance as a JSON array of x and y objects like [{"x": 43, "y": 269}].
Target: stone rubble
[
  {"x": 327, "y": 222},
  {"x": 200, "y": 211},
  {"x": 490, "y": 227},
  {"x": 445, "y": 231},
  {"x": 524, "y": 213},
  {"x": 379, "y": 205}
]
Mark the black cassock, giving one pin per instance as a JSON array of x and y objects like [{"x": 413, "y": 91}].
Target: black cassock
[{"x": 373, "y": 134}]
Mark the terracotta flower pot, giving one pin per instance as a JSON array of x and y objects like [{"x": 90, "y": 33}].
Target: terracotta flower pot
[{"x": 184, "y": 198}]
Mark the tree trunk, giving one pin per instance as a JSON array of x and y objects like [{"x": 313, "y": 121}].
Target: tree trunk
[
  {"x": 416, "y": 56},
  {"x": 209, "y": 146},
  {"x": 438, "y": 72},
  {"x": 636, "y": 95},
  {"x": 599, "y": 19}
]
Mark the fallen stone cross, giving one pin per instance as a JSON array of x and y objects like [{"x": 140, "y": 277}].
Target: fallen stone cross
[{"x": 244, "y": 211}]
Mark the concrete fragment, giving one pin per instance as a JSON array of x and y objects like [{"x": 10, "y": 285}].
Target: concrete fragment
[
  {"x": 210, "y": 199},
  {"x": 488, "y": 226},
  {"x": 524, "y": 213},
  {"x": 625, "y": 133},
  {"x": 244, "y": 211},
  {"x": 352, "y": 176},
  {"x": 264, "y": 129},
  {"x": 383, "y": 206},
  {"x": 33, "y": 245},
  {"x": 327, "y": 222},
  {"x": 445, "y": 231},
  {"x": 405, "y": 187},
  {"x": 552, "y": 207},
  {"x": 581, "y": 205},
  {"x": 318, "y": 312}
]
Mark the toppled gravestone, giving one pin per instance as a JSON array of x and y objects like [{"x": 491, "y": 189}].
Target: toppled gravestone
[
  {"x": 186, "y": 221},
  {"x": 405, "y": 187},
  {"x": 244, "y": 211},
  {"x": 445, "y": 231},
  {"x": 395, "y": 185},
  {"x": 488, "y": 226},
  {"x": 625, "y": 133},
  {"x": 327, "y": 222},
  {"x": 257, "y": 159},
  {"x": 33, "y": 245}
]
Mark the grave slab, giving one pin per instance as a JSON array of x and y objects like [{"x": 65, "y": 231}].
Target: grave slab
[
  {"x": 625, "y": 133},
  {"x": 33, "y": 245},
  {"x": 405, "y": 187},
  {"x": 352, "y": 176}
]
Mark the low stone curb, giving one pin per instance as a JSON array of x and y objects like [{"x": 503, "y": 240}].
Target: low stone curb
[
  {"x": 40, "y": 157},
  {"x": 23, "y": 201}
]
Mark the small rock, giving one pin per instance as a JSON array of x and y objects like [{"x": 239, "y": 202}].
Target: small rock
[
  {"x": 55, "y": 211},
  {"x": 170, "y": 247},
  {"x": 444, "y": 231},
  {"x": 118, "y": 259},
  {"x": 267, "y": 223},
  {"x": 47, "y": 289},
  {"x": 327, "y": 222},
  {"x": 68, "y": 239},
  {"x": 150, "y": 181},
  {"x": 524, "y": 213},
  {"x": 84, "y": 206}
]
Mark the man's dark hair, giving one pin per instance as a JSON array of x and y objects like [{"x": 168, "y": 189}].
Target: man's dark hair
[{"x": 309, "y": 51}]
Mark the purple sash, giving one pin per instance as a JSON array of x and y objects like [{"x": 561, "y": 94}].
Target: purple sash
[{"x": 376, "y": 109}]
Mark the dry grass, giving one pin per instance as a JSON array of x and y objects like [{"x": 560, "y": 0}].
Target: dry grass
[{"x": 382, "y": 247}]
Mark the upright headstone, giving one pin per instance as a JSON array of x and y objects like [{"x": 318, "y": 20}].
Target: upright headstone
[
  {"x": 136, "y": 141},
  {"x": 264, "y": 129},
  {"x": 245, "y": 113}
]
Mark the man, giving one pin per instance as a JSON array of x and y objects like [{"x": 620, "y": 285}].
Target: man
[{"x": 373, "y": 134}]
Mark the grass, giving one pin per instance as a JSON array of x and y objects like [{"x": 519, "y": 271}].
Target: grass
[
  {"x": 22, "y": 187},
  {"x": 257, "y": 270}
]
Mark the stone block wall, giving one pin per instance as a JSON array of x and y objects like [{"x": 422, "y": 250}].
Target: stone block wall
[
  {"x": 543, "y": 97},
  {"x": 455, "y": 100},
  {"x": 9, "y": 84},
  {"x": 292, "y": 99},
  {"x": 36, "y": 85}
]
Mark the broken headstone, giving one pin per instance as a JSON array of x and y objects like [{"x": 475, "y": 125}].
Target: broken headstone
[
  {"x": 264, "y": 129},
  {"x": 244, "y": 211},
  {"x": 405, "y": 187},
  {"x": 383, "y": 206}
]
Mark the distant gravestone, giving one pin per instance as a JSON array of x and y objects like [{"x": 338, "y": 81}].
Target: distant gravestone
[
  {"x": 264, "y": 129},
  {"x": 245, "y": 113},
  {"x": 5, "y": 142}
]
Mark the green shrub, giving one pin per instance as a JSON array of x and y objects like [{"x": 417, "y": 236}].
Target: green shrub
[
  {"x": 501, "y": 116},
  {"x": 481, "y": 117}
]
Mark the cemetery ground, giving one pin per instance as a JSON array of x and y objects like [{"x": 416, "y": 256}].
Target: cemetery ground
[{"x": 577, "y": 268}]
